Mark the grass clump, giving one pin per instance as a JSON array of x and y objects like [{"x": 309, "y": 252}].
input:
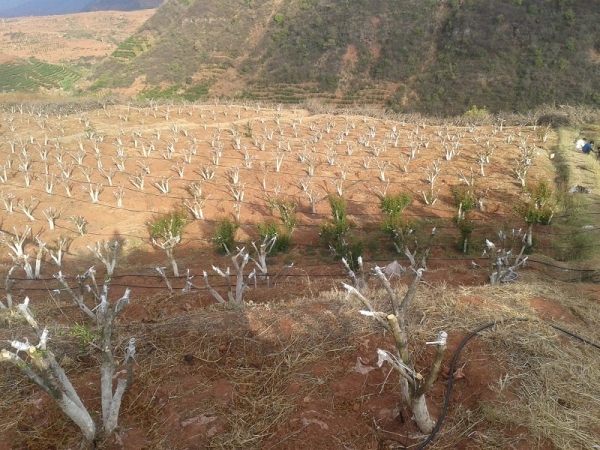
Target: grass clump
[{"x": 576, "y": 210}]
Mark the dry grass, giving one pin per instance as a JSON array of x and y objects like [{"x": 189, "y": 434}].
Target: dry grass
[
  {"x": 546, "y": 394},
  {"x": 554, "y": 379}
]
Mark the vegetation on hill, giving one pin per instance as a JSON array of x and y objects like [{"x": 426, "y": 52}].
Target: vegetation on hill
[
  {"x": 131, "y": 47},
  {"x": 431, "y": 56},
  {"x": 31, "y": 75}
]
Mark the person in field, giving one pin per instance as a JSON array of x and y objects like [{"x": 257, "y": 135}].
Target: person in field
[
  {"x": 580, "y": 143},
  {"x": 588, "y": 148}
]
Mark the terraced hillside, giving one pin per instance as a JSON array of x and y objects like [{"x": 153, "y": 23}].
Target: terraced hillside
[
  {"x": 49, "y": 53},
  {"x": 416, "y": 55},
  {"x": 31, "y": 75}
]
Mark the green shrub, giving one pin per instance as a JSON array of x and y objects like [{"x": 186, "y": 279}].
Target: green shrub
[
  {"x": 569, "y": 16},
  {"x": 287, "y": 211},
  {"x": 270, "y": 229},
  {"x": 392, "y": 204},
  {"x": 167, "y": 226},
  {"x": 465, "y": 228},
  {"x": 85, "y": 336},
  {"x": 580, "y": 246},
  {"x": 477, "y": 115},
  {"x": 540, "y": 207},
  {"x": 464, "y": 197},
  {"x": 394, "y": 224},
  {"x": 336, "y": 234},
  {"x": 225, "y": 235}
]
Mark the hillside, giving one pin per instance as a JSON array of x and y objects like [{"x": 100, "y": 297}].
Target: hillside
[
  {"x": 72, "y": 42},
  {"x": 121, "y": 5},
  {"x": 440, "y": 57}
]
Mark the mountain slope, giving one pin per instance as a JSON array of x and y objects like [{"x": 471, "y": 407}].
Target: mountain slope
[
  {"x": 121, "y": 5},
  {"x": 421, "y": 55}
]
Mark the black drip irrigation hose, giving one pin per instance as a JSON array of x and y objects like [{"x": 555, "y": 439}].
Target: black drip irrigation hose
[{"x": 459, "y": 349}]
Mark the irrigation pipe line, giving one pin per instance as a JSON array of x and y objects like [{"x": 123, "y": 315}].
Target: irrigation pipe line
[{"x": 459, "y": 349}]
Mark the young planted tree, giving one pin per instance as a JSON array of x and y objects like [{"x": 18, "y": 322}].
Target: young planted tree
[
  {"x": 465, "y": 199},
  {"x": 8, "y": 285},
  {"x": 239, "y": 261},
  {"x": 166, "y": 231},
  {"x": 39, "y": 364},
  {"x": 537, "y": 208},
  {"x": 524, "y": 162},
  {"x": 505, "y": 259},
  {"x": 399, "y": 229},
  {"x": 107, "y": 253},
  {"x": 413, "y": 385},
  {"x": 262, "y": 251},
  {"x": 432, "y": 173},
  {"x": 60, "y": 247},
  {"x": 17, "y": 244}
]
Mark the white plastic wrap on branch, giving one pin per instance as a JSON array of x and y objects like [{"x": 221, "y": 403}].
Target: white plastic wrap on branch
[
  {"x": 385, "y": 356},
  {"x": 21, "y": 346},
  {"x": 350, "y": 289},
  {"x": 441, "y": 340},
  {"x": 220, "y": 272},
  {"x": 130, "y": 351},
  {"x": 43, "y": 340}
]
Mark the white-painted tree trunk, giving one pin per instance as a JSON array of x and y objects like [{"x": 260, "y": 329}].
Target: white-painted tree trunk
[
  {"x": 530, "y": 234},
  {"x": 421, "y": 414},
  {"x": 405, "y": 390},
  {"x": 78, "y": 415}
]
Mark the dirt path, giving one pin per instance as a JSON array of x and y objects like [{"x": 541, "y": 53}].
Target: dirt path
[
  {"x": 584, "y": 169},
  {"x": 581, "y": 223}
]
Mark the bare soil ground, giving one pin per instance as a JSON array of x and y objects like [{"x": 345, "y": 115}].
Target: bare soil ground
[
  {"x": 69, "y": 39},
  {"x": 296, "y": 368}
]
